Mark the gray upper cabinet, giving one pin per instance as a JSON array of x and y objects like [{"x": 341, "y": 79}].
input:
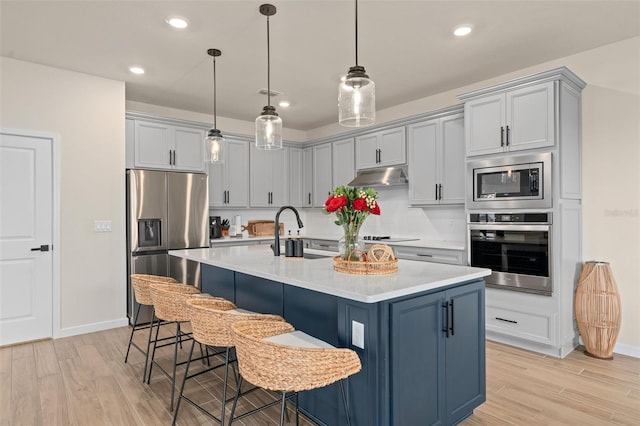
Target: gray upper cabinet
[
  {"x": 296, "y": 179},
  {"x": 379, "y": 149},
  {"x": 229, "y": 181},
  {"x": 322, "y": 181},
  {"x": 268, "y": 177},
  {"x": 343, "y": 162},
  {"x": 164, "y": 146},
  {"x": 437, "y": 161},
  {"x": 307, "y": 177},
  {"x": 511, "y": 120}
]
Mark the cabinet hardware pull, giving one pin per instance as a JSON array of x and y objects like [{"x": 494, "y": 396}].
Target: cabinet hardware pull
[
  {"x": 424, "y": 255},
  {"x": 174, "y": 157},
  {"x": 440, "y": 192},
  {"x": 508, "y": 131},
  {"x": 228, "y": 196},
  {"x": 501, "y": 136},
  {"x": 445, "y": 327},
  {"x": 324, "y": 245},
  {"x": 309, "y": 198},
  {"x": 506, "y": 320},
  {"x": 380, "y": 156},
  {"x": 436, "y": 191},
  {"x": 452, "y": 317},
  {"x": 170, "y": 158}
]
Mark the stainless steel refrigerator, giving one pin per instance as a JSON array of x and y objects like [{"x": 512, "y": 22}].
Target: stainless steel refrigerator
[{"x": 165, "y": 211}]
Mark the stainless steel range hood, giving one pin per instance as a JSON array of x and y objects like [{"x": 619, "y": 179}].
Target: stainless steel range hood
[{"x": 385, "y": 176}]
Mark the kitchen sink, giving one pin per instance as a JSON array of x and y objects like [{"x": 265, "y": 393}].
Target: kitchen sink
[{"x": 315, "y": 256}]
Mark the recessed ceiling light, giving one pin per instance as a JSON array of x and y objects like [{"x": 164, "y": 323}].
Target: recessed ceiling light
[
  {"x": 284, "y": 104},
  {"x": 177, "y": 22},
  {"x": 137, "y": 70},
  {"x": 462, "y": 30}
]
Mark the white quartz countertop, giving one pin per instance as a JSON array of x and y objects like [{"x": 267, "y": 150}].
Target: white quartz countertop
[{"x": 318, "y": 274}]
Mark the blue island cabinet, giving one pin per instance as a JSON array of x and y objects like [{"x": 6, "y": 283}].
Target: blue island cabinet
[{"x": 423, "y": 361}]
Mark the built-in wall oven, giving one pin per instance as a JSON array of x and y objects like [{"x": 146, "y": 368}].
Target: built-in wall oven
[
  {"x": 515, "y": 182},
  {"x": 516, "y": 247}
]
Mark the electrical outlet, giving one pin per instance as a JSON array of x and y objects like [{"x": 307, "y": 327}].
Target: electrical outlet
[
  {"x": 357, "y": 334},
  {"x": 102, "y": 226}
]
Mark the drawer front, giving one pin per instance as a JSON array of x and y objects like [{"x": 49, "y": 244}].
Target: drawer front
[
  {"x": 534, "y": 327},
  {"x": 453, "y": 257},
  {"x": 322, "y": 245}
]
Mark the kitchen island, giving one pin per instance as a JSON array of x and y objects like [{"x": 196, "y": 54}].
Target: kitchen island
[{"x": 419, "y": 332}]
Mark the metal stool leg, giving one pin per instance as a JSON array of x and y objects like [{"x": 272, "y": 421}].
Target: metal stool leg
[
  {"x": 283, "y": 407},
  {"x": 133, "y": 329},
  {"x": 235, "y": 400},
  {"x": 155, "y": 344},
  {"x": 175, "y": 361},
  {"x": 344, "y": 400},
  {"x": 186, "y": 374}
]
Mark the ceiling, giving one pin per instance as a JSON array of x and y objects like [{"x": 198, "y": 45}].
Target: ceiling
[{"x": 407, "y": 47}]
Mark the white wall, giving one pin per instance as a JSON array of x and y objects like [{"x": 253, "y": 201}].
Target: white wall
[{"x": 87, "y": 113}]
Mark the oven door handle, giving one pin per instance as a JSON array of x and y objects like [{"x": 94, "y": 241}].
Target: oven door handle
[{"x": 507, "y": 227}]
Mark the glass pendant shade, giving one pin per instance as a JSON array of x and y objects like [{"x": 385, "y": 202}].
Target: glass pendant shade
[
  {"x": 215, "y": 145},
  {"x": 357, "y": 100},
  {"x": 268, "y": 129}
]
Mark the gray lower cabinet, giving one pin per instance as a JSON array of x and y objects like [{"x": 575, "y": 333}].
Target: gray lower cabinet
[{"x": 423, "y": 361}]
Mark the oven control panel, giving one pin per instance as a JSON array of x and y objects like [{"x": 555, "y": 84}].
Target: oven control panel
[{"x": 510, "y": 218}]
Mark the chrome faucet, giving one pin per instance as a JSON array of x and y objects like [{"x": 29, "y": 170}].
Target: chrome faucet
[{"x": 276, "y": 244}]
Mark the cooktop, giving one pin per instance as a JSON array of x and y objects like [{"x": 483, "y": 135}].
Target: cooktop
[{"x": 387, "y": 238}]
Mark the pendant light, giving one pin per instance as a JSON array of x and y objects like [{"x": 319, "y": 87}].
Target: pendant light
[
  {"x": 356, "y": 95},
  {"x": 215, "y": 143},
  {"x": 268, "y": 124}
]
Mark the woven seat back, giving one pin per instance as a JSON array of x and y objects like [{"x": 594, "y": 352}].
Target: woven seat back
[
  {"x": 170, "y": 300},
  {"x": 288, "y": 368},
  {"x": 211, "y": 320},
  {"x": 141, "y": 284}
]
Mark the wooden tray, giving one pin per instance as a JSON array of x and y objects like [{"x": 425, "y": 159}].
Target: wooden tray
[{"x": 262, "y": 228}]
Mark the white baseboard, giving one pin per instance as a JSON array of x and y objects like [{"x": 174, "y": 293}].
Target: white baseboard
[
  {"x": 621, "y": 349},
  {"x": 93, "y": 327},
  {"x": 628, "y": 350}
]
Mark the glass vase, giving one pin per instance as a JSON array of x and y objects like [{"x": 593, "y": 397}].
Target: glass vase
[{"x": 349, "y": 245}]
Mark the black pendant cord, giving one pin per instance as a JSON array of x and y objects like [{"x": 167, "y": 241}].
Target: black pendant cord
[
  {"x": 215, "y": 124},
  {"x": 356, "y": 32},
  {"x": 268, "y": 67}
]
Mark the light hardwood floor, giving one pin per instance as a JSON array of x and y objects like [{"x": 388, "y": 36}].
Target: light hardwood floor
[{"x": 82, "y": 380}]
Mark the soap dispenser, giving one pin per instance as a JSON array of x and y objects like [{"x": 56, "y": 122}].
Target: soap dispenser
[
  {"x": 289, "y": 250},
  {"x": 298, "y": 246}
]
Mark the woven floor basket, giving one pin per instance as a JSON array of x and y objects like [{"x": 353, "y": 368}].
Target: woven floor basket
[
  {"x": 211, "y": 320},
  {"x": 597, "y": 308},
  {"x": 288, "y": 368},
  {"x": 141, "y": 284},
  {"x": 170, "y": 300}
]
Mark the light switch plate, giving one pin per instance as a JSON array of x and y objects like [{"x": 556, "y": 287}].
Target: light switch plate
[
  {"x": 357, "y": 334},
  {"x": 102, "y": 226}
]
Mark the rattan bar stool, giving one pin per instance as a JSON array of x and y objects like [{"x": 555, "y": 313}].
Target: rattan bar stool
[
  {"x": 142, "y": 294},
  {"x": 274, "y": 356},
  {"x": 169, "y": 301},
  {"x": 211, "y": 320}
]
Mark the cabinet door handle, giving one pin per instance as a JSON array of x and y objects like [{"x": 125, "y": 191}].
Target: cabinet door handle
[
  {"x": 508, "y": 131},
  {"x": 507, "y": 320},
  {"x": 309, "y": 198},
  {"x": 452, "y": 318},
  {"x": 501, "y": 136},
  {"x": 445, "y": 326},
  {"x": 436, "y": 191},
  {"x": 170, "y": 158},
  {"x": 380, "y": 156},
  {"x": 424, "y": 255},
  {"x": 440, "y": 192},
  {"x": 228, "y": 196},
  {"x": 377, "y": 158}
]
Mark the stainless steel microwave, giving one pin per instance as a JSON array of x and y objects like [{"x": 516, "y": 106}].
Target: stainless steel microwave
[{"x": 515, "y": 182}]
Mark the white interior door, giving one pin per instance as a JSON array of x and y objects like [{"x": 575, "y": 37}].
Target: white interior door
[{"x": 26, "y": 234}]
